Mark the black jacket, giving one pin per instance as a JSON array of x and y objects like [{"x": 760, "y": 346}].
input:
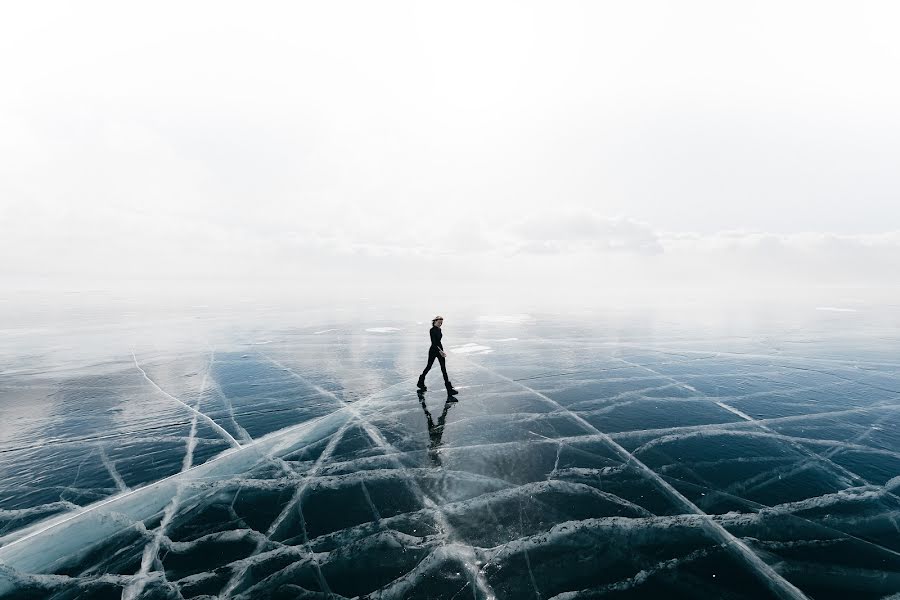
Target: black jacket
[{"x": 436, "y": 336}]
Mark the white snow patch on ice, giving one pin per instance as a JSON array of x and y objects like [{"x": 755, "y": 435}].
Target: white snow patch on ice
[
  {"x": 471, "y": 349},
  {"x": 508, "y": 340},
  {"x": 323, "y": 331},
  {"x": 835, "y": 309},
  {"x": 382, "y": 329}
]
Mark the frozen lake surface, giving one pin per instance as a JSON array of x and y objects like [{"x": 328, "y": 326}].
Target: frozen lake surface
[{"x": 626, "y": 458}]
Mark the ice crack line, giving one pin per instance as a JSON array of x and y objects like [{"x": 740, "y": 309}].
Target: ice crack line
[
  {"x": 151, "y": 550},
  {"x": 229, "y": 407},
  {"x": 321, "y": 461},
  {"x": 826, "y": 456},
  {"x": 228, "y": 437},
  {"x": 314, "y": 386},
  {"x": 791, "y": 508},
  {"x": 93, "y": 508},
  {"x": 120, "y": 483},
  {"x": 778, "y": 584},
  {"x": 465, "y": 553},
  {"x": 534, "y": 585},
  {"x": 843, "y": 475},
  {"x": 238, "y": 575}
]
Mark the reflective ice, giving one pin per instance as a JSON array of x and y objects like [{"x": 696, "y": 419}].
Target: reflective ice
[{"x": 627, "y": 458}]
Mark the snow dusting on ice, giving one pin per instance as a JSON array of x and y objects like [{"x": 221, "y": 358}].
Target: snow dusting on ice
[{"x": 470, "y": 348}]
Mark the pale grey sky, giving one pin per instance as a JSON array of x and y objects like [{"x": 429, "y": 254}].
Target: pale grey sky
[{"x": 645, "y": 141}]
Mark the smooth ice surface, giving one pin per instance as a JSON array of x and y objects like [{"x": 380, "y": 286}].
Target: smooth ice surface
[{"x": 622, "y": 456}]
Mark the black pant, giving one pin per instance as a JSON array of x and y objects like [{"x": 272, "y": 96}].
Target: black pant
[{"x": 432, "y": 354}]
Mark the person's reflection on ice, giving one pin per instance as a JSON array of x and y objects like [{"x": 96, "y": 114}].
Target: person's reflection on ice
[{"x": 435, "y": 431}]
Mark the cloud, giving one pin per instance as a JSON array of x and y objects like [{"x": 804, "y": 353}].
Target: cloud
[
  {"x": 584, "y": 231},
  {"x": 802, "y": 258},
  {"x": 578, "y": 254}
]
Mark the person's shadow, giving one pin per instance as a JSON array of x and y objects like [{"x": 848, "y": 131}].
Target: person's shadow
[{"x": 435, "y": 431}]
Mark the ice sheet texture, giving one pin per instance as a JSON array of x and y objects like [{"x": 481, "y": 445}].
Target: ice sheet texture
[{"x": 629, "y": 463}]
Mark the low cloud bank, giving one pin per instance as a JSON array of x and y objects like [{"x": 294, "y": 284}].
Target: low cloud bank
[{"x": 552, "y": 255}]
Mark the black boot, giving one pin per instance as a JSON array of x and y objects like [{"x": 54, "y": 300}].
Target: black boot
[
  {"x": 451, "y": 391},
  {"x": 421, "y": 383}
]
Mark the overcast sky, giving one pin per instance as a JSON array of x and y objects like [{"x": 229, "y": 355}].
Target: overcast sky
[{"x": 632, "y": 143}]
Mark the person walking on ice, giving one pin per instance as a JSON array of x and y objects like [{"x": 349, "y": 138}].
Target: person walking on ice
[{"x": 436, "y": 350}]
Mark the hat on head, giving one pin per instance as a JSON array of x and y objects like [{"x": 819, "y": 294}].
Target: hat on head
[{"x": 439, "y": 317}]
